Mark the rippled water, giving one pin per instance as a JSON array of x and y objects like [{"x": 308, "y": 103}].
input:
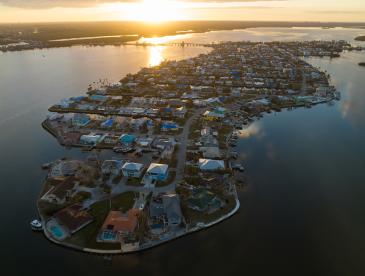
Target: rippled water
[{"x": 303, "y": 213}]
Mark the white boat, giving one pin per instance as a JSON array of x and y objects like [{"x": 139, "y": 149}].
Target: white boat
[
  {"x": 46, "y": 166},
  {"x": 36, "y": 225}
]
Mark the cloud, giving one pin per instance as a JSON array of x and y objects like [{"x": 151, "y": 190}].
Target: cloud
[{"x": 44, "y": 4}]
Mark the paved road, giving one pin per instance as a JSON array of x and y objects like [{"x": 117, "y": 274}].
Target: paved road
[
  {"x": 122, "y": 187},
  {"x": 184, "y": 136}
]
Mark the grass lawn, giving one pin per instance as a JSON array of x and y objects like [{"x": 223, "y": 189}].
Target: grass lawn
[
  {"x": 136, "y": 182},
  {"x": 194, "y": 217}
]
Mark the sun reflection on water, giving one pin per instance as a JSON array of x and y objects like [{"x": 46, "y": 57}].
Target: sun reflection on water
[{"x": 156, "y": 55}]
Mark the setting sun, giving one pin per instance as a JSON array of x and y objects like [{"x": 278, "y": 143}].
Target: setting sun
[{"x": 156, "y": 11}]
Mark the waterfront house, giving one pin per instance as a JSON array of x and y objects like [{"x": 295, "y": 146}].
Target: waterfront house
[
  {"x": 156, "y": 209},
  {"x": 171, "y": 204},
  {"x": 74, "y": 218},
  {"x": 99, "y": 98},
  {"x": 64, "y": 188},
  {"x": 211, "y": 165},
  {"x": 90, "y": 139},
  {"x": 80, "y": 120},
  {"x": 127, "y": 139},
  {"x": 64, "y": 168},
  {"x": 158, "y": 171},
  {"x": 132, "y": 169},
  {"x": 203, "y": 200},
  {"x": 118, "y": 225},
  {"x": 109, "y": 139},
  {"x": 144, "y": 142}
]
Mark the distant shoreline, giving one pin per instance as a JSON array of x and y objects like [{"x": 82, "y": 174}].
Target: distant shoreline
[{"x": 29, "y": 36}]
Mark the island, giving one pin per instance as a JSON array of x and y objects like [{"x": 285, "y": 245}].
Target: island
[
  {"x": 360, "y": 38},
  {"x": 362, "y": 64},
  {"x": 161, "y": 143}
]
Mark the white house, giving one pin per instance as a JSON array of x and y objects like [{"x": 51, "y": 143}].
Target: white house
[
  {"x": 90, "y": 139},
  {"x": 132, "y": 169},
  {"x": 158, "y": 171},
  {"x": 211, "y": 165}
]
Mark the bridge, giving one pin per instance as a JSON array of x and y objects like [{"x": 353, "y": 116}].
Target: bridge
[{"x": 176, "y": 44}]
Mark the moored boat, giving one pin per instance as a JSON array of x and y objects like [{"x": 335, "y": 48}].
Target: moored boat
[{"x": 36, "y": 225}]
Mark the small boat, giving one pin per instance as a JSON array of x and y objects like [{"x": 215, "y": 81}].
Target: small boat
[
  {"x": 237, "y": 166},
  {"x": 127, "y": 149},
  {"x": 46, "y": 166},
  {"x": 117, "y": 149},
  {"x": 36, "y": 225}
]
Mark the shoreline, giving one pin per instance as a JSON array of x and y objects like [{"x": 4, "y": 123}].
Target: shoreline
[
  {"x": 222, "y": 118},
  {"x": 143, "y": 248},
  {"x": 129, "y": 39}
]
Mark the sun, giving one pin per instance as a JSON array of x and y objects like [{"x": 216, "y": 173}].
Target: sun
[{"x": 156, "y": 11}]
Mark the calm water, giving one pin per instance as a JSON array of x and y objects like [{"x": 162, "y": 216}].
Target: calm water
[{"x": 303, "y": 213}]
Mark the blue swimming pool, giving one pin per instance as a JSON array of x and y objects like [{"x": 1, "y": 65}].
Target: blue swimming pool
[
  {"x": 109, "y": 236},
  {"x": 57, "y": 232}
]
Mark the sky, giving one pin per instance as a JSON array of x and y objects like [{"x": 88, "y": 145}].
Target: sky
[{"x": 169, "y": 10}]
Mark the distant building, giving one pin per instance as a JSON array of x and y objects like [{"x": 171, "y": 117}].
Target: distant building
[
  {"x": 169, "y": 126},
  {"x": 180, "y": 112},
  {"x": 107, "y": 123}
]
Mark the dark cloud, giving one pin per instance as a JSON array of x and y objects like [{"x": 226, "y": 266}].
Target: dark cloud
[{"x": 36, "y": 4}]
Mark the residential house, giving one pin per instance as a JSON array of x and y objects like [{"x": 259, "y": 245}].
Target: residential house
[
  {"x": 169, "y": 126},
  {"x": 118, "y": 225},
  {"x": 111, "y": 167},
  {"x": 90, "y": 139},
  {"x": 127, "y": 139},
  {"x": 80, "y": 120},
  {"x": 171, "y": 203},
  {"x": 132, "y": 169},
  {"x": 158, "y": 171},
  {"x": 180, "y": 112},
  {"x": 211, "y": 165}
]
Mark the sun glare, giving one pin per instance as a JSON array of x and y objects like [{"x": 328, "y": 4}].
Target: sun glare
[{"x": 156, "y": 11}]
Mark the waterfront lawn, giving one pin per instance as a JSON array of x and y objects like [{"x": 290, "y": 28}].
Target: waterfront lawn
[
  {"x": 133, "y": 181},
  {"x": 193, "y": 216},
  {"x": 86, "y": 237},
  {"x": 124, "y": 201}
]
